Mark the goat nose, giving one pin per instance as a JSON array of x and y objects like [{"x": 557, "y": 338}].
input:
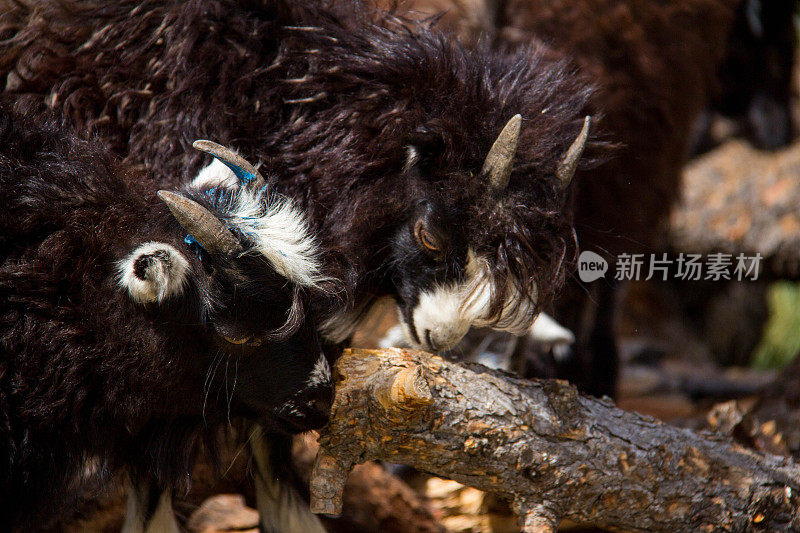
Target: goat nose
[{"x": 443, "y": 338}]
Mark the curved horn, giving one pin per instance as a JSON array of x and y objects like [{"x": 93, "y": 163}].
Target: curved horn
[
  {"x": 247, "y": 173},
  {"x": 202, "y": 225},
  {"x": 500, "y": 159},
  {"x": 568, "y": 165}
]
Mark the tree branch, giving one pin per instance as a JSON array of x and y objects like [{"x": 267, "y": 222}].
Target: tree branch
[{"x": 555, "y": 453}]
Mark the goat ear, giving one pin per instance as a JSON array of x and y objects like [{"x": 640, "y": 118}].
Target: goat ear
[
  {"x": 153, "y": 272},
  {"x": 216, "y": 175},
  {"x": 422, "y": 150}
]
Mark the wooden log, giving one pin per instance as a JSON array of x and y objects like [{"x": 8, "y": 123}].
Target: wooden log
[
  {"x": 555, "y": 453},
  {"x": 769, "y": 423}
]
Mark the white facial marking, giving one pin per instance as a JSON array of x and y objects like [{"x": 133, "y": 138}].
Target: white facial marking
[
  {"x": 277, "y": 226},
  {"x": 439, "y": 318},
  {"x": 281, "y": 233},
  {"x": 217, "y": 174},
  {"x": 153, "y": 272},
  {"x": 321, "y": 373},
  {"x": 444, "y": 314}
]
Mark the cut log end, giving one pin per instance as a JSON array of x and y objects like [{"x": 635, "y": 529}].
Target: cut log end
[{"x": 408, "y": 390}]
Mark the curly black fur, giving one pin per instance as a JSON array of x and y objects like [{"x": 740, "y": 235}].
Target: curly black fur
[{"x": 329, "y": 96}]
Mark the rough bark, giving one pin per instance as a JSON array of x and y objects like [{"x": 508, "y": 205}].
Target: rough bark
[
  {"x": 769, "y": 423},
  {"x": 374, "y": 499},
  {"x": 555, "y": 453}
]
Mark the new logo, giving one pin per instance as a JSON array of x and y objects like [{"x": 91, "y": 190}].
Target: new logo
[{"x": 591, "y": 266}]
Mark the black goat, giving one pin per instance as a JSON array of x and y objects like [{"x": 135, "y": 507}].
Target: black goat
[
  {"x": 380, "y": 131},
  {"x": 657, "y": 66},
  {"x": 123, "y": 339}
]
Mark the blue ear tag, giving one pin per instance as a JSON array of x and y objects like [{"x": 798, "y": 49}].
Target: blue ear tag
[
  {"x": 215, "y": 195},
  {"x": 194, "y": 245}
]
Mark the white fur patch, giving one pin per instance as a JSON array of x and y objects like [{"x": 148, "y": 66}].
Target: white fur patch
[
  {"x": 440, "y": 318},
  {"x": 217, "y": 174},
  {"x": 548, "y": 331},
  {"x": 280, "y": 229},
  {"x": 280, "y": 508},
  {"x": 444, "y": 314},
  {"x": 153, "y": 272},
  {"x": 281, "y": 234},
  {"x": 321, "y": 373}
]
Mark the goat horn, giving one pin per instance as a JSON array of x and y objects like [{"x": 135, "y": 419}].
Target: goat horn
[
  {"x": 501, "y": 157},
  {"x": 247, "y": 173},
  {"x": 202, "y": 225},
  {"x": 568, "y": 165}
]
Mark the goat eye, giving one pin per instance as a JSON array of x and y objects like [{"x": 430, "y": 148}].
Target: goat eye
[
  {"x": 250, "y": 341},
  {"x": 425, "y": 239},
  {"x": 232, "y": 340}
]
